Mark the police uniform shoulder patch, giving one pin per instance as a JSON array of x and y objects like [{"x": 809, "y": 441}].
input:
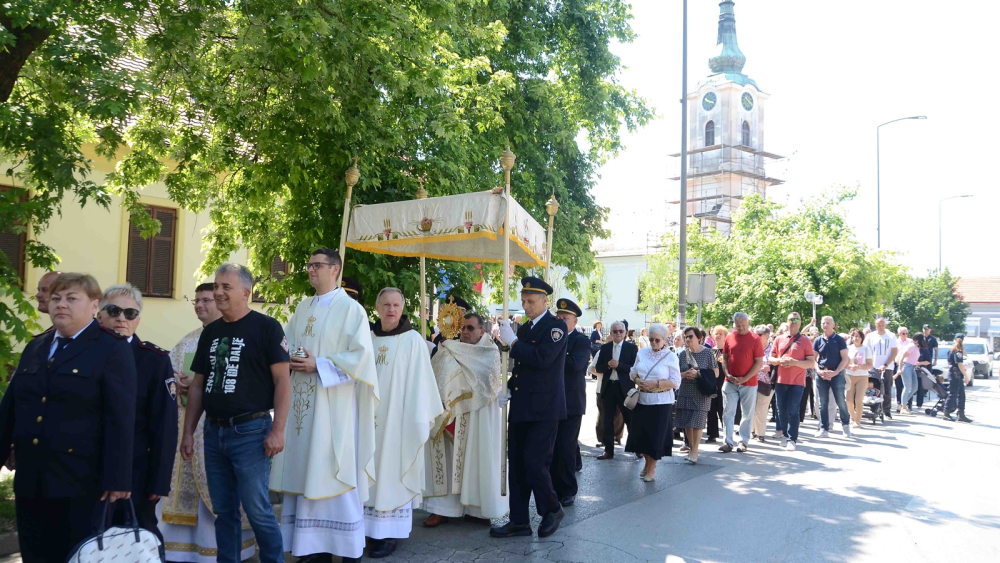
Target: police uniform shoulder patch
[
  {"x": 155, "y": 348},
  {"x": 171, "y": 387},
  {"x": 114, "y": 333},
  {"x": 557, "y": 334},
  {"x": 284, "y": 344}
]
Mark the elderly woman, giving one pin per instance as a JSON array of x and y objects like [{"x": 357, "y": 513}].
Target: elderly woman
[
  {"x": 656, "y": 374},
  {"x": 69, "y": 416},
  {"x": 156, "y": 411},
  {"x": 692, "y": 406},
  {"x": 765, "y": 389}
]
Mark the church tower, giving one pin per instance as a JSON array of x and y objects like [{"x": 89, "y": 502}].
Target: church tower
[{"x": 726, "y": 155}]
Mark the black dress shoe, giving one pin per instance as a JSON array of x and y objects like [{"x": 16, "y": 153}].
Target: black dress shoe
[
  {"x": 510, "y": 530},
  {"x": 579, "y": 467},
  {"x": 567, "y": 501},
  {"x": 550, "y": 523},
  {"x": 383, "y": 549},
  {"x": 317, "y": 558},
  {"x": 606, "y": 456},
  {"x": 351, "y": 559}
]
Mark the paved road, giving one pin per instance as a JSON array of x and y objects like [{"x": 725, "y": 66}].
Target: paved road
[{"x": 916, "y": 489}]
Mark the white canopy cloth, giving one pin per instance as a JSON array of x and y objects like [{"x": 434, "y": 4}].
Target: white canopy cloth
[{"x": 462, "y": 227}]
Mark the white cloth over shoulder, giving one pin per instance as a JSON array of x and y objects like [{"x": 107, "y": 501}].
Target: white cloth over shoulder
[{"x": 464, "y": 452}]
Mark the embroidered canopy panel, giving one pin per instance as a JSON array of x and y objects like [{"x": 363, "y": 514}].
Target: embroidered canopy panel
[{"x": 465, "y": 228}]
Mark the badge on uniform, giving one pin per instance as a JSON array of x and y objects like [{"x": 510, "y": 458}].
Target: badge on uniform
[
  {"x": 557, "y": 334},
  {"x": 171, "y": 387},
  {"x": 284, "y": 343}
]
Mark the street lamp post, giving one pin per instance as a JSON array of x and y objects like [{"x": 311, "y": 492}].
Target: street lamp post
[
  {"x": 940, "y": 249},
  {"x": 878, "y": 173},
  {"x": 682, "y": 262}
]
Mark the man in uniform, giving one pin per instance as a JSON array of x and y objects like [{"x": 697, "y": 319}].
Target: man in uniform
[
  {"x": 155, "y": 415},
  {"x": 463, "y": 466},
  {"x": 564, "y": 457},
  {"x": 42, "y": 295},
  {"x": 186, "y": 519},
  {"x": 330, "y": 444},
  {"x": 352, "y": 288},
  {"x": 537, "y": 391}
]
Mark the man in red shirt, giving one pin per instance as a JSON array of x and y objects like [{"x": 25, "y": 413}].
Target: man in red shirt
[
  {"x": 742, "y": 357},
  {"x": 792, "y": 353}
]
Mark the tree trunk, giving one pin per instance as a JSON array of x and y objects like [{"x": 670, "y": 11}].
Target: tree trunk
[{"x": 12, "y": 60}]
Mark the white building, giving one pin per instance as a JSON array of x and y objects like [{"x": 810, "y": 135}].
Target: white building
[{"x": 726, "y": 156}]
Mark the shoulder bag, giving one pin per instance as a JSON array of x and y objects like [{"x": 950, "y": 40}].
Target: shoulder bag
[
  {"x": 774, "y": 373},
  {"x": 121, "y": 544},
  {"x": 705, "y": 381},
  {"x": 632, "y": 399}
]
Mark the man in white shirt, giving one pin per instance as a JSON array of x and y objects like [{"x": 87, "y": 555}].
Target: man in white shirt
[{"x": 885, "y": 346}]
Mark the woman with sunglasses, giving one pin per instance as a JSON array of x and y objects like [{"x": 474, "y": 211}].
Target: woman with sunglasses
[
  {"x": 691, "y": 405},
  {"x": 656, "y": 374},
  {"x": 156, "y": 400}
]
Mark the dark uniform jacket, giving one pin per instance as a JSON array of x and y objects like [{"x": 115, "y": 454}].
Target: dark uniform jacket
[
  {"x": 71, "y": 421},
  {"x": 538, "y": 385},
  {"x": 626, "y": 359},
  {"x": 577, "y": 362},
  {"x": 155, "y": 420}
]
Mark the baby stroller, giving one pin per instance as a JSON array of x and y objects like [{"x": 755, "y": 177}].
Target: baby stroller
[
  {"x": 933, "y": 379},
  {"x": 873, "y": 401}
]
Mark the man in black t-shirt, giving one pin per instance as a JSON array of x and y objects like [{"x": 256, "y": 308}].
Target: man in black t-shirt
[{"x": 241, "y": 373}]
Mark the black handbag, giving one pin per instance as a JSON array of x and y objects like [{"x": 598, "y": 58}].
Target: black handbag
[{"x": 706, "y": 382}]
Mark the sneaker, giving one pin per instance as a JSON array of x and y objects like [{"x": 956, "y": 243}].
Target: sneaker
[
  {"x": 821, "y": 433},
  {"x": 906, "y": 411},
  {"x": 790, "y": 446},
  {"x": 784, "y": 442},
  {"x": 778, "y": 434},
  {"x": 847, "y": 431}
]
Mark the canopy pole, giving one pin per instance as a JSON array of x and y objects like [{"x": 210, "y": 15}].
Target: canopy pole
[
  {"x": 507, "y": 162},
  {"x": 423, "y": 297},
  {"x": 351, "y": 177},
  {"x": 551, "y": 207}
]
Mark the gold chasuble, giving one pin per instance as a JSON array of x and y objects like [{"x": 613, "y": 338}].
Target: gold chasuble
[{"x": 321, "y": 458}]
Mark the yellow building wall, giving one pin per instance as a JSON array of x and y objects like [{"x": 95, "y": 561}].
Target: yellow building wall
[{"x": 94, "y": 240}]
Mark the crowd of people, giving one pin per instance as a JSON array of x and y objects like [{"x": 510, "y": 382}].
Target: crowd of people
[{"x": 351, "y": 425}]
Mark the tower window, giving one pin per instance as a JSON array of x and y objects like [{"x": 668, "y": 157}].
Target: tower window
[
  {"x": 709, "y": 133},
  {"x": 746, "y": 134}
]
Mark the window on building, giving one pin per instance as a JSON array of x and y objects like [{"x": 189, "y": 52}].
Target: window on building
[
  {"x": 279, "y": 268},
  {"x": 151, "y": 261},
  {"x": 709, "y": 133},
  {"x": 12, "y": 243},
  {"x": 746, "y": 134}
]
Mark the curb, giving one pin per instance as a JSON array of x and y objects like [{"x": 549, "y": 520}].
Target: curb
[{"x": 9, "y": 544}]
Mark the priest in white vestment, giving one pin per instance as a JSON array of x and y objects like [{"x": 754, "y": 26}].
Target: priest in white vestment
[
  {"x": 410, "y": 403},
  {"x": 463, "y": 453},
  {"x": 328, "y": 464},
  {"x": 186, "y": 518}
]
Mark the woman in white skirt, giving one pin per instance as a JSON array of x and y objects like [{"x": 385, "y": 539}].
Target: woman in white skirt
[{"x": 656, "y": 374}]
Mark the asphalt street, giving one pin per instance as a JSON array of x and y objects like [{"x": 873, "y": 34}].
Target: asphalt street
[{"x": 915, "y": 489}]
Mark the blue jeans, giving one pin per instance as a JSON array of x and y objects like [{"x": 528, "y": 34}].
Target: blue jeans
[
  {"x": 909, "y": 377},
  {"x": 746, "y": 397},
  {"x": 238, "y": 472},
  {"x": 839, "y": 384},
  {"x": 788, "y": 399}
]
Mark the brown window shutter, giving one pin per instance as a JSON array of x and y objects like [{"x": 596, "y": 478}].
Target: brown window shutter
[
  {"x": 151, "y": 261},
  {"x": 12, "y": 245},
  {"x": 279, "y": 268}
]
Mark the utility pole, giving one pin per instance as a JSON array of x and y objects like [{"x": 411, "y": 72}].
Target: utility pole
[{"x": 682, "y": 264}]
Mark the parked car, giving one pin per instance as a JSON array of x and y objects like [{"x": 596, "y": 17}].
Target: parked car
[
  {"x": 980, "y": 351},
  {"x": 942, "y": 361}
]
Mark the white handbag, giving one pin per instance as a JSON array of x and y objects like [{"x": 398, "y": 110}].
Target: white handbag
[{"x": 120, "y": 544}]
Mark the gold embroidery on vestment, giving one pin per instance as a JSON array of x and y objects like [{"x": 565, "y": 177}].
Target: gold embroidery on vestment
[
  {"x": 381, "y": 359},
  {"x": 309, "y": 326}
]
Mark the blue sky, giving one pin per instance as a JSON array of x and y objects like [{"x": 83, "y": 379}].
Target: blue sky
[{"x": 835, "y": 70}]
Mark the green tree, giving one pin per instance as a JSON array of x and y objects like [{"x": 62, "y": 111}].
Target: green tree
[
  {"x": 773, "y": 256},
  {"x": 930, "y": 300},
  {"x": 254, "y": 110},
  {"x": 598, "y": 295},
  {"x": 658, "y": 284}
]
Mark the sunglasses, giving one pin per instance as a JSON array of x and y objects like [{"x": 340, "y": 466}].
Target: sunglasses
[
  {"x": 114, "y": 310},
  {"x": 795, "y": 320},
  {"x": 617, "y": 331},
  {"x": 470, "y": 328},
  {"x": 689, "y": 337}
]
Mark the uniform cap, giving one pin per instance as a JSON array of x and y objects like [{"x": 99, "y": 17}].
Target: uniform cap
[
  {"x": 531, "y": 284},
  {"x": 568, "y": 306}
]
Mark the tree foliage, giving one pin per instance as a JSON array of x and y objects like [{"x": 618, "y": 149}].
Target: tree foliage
[
  {"x": 930, "y": 300},
  {"x": 773, "y": 256},
  {"x": 254, "y": 110},
  {"x": 597, "y": 293}
]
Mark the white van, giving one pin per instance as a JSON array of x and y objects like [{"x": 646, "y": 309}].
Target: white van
[{"x": 980, "y": 351}]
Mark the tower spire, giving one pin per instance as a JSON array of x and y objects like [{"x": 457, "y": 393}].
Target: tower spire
[{"x": 729, "y": 57}]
